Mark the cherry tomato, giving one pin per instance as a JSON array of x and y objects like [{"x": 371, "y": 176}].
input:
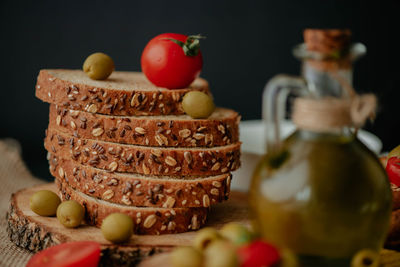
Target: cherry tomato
[
  {"x": 71, "y": 254},
  {"x": 172, "y": 60},
  {"x": 258, "y": 254},
  {"x": 393, "y": 170}
]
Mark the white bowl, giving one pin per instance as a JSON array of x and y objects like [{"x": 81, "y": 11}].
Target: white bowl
[{"x": 254, "y": 147}]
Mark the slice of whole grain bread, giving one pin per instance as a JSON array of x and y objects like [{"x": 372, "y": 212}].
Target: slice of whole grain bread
[
  {"x": 148, "y": 220},
  {"x": 142, "y": 191},
  {"x": 172, "y": 161},
  {"x": 123, "y": 93},
  {"x": 221, "y": 128}
]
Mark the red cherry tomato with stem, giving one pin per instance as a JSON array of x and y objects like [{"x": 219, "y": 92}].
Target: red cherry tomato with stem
[
  {"x": 393, "y": 170},
  {"x": 71, "y": 254},
  {"x": 172, "y": 60},
  {"x": 258, "y": 254}
]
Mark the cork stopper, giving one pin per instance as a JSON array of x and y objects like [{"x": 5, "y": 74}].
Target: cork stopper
[{"x": 329, "y": 41}]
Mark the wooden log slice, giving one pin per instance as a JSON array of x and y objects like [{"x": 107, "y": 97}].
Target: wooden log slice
[{"x": 33, "y": 232}]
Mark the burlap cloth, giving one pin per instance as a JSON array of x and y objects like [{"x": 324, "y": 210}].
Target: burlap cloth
[{"x": 14, "y": 175}]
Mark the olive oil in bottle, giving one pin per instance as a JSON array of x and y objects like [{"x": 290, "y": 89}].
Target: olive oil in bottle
[{"x": 321, "y": 192}]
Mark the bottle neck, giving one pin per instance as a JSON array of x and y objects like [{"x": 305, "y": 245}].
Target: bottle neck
[
  {"x": 324, "y": 115},
  {"x": 328, "y": 74},
  {"x": 327, "y": 78}
]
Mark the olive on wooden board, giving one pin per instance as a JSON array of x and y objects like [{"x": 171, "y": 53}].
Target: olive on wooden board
[
  {"x": 44, "y": 203},
  {"x": 117, "y": 227},
  {"x": 70, "y": 213}
]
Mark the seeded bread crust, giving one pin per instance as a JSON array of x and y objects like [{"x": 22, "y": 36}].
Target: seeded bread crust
[
  {"x": 141, "y": 191},
  {"x": 150, "y": 221},
  {"x": 221, "y": 128},
  {"x": 144, "y": 160},
  {"x": 123, "y": 93}
]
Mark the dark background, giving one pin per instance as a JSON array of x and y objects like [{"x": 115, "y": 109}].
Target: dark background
[{"x": 247, "y": 43}]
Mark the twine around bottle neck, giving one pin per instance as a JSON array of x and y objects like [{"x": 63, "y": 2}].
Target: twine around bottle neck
[{"x": 331, "y": 113}]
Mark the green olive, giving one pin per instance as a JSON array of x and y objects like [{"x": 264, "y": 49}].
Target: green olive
[
  {"x": 70, "y": 213},
  {"x": 220, "y": 253},
  {"x": 186, "y": 257},
  {"x": 198, "y": 105},
  {"x": 236, "y": 233},
  {"x": 117, "y": 227},
  {"x": 204, "y": 237},
  {"x": 395, "y": 152},
  {"x": 98, "y": 66},
  {"x": 44, "y": 203},
  {"x": 365, "y": 258}
]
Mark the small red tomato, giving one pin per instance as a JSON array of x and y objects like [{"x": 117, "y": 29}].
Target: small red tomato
[
  {"x": 71, "y": 254},
  {"x": 393, "y": 170},
  {"x": 172, "y": 60},
  {"x": 259, "y": 254}
]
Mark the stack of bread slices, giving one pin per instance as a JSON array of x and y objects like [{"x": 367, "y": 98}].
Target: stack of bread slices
[{"x": 125, "y": 145}]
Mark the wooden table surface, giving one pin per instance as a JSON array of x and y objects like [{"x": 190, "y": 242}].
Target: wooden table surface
[
  {"x": 234, "y": 210},
  {"x": 389, "y": 258}
]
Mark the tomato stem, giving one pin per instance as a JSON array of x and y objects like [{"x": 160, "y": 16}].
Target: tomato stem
[{"x": 191, "y": 46}]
